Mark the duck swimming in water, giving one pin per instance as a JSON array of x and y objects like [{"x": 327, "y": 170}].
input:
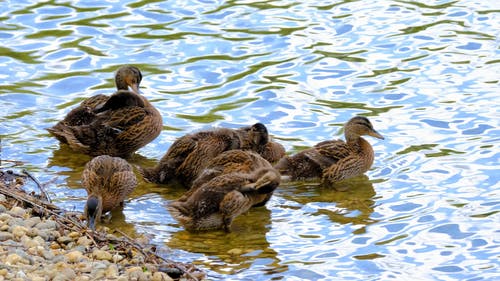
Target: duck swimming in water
[
  {"x": 108, "y": 181},
  {"x": 190, "y": 154},
  {"x": 226, "y": 190},
  {"x": 115, "y": 125},
  {"x": 334, "y": 160}
]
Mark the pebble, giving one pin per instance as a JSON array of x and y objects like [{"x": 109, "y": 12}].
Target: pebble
[
  {"x": 74, "y": 256},
  {"x": 102, "y": 255},
  {"x": 161, "y": 276},
  {"x": 39, "y": 249},
  {"x": 17, "y": 211}
]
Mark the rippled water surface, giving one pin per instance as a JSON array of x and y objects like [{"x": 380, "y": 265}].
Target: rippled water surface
[{"x": 425, "y": 72}]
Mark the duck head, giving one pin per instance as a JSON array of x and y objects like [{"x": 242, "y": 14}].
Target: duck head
[
  {"x": 93, "y": 210},
  {"x": 360, "y": 126},
  {"x": 128, "y": 76}
]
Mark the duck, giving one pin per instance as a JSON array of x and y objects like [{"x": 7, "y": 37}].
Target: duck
[
  {"x": 273, "y": 151},
  {"x": 216, "y": 202},
  {"x": 108, "y": 181},
  {"x": 115, "y": 125},
  {"x": 190, "y": 154},
  {"x": 334, "y": 160}
]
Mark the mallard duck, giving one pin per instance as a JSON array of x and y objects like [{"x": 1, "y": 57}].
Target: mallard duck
[
  {"x": 273, "y": 151},
  {"x": 115, "y": 125},
  {"x": 108, "y": 181},
  {"x": 334, "y": 160},
  {"x": 190, "y": 154},
  {"x": 216, "y": 202}
]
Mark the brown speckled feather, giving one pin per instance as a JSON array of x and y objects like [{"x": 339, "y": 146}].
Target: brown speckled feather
[
  {"x": 218, "y": 201},
  {"x": 115, "y": 125},
  {"x": 109, "y": 180},
  {"x": 190, "y": 154},
  {"x": 334, "y": 160}
]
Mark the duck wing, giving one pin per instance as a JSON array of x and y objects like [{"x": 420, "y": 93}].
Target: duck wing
[{"x": 328, "y": 153}]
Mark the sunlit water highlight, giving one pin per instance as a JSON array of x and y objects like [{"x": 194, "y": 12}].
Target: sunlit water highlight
[{"x": 426, "y": 73}]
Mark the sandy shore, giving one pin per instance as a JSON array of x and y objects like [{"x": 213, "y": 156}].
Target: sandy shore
[{"x": 39, "y": 241}]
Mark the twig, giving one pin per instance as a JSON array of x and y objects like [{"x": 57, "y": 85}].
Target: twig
[
  {"x": 40, "y": 186},
  {"x": 138, "y": 247}
]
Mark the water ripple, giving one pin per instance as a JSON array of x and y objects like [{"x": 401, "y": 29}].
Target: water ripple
[{"x": 426, "y": 74}]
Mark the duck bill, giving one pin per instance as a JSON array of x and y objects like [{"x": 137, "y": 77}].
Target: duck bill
[
  {"x": 376, "y": 134},
  {"x": 91, "y": 223},
  {"x": 135, "y": 88}
]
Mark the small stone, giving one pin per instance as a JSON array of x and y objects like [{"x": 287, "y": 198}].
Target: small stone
[
  {"x": 161, "y": 276},
  {"x": 48, "y": 224},
  {"x": 64, "y": 240},
  {"x": 20, "y": 274},
  {"x": 17, "y": 211},
  {"x": 36, "y": 278},
  {"x": 117, "y": 258},
  {"x": 19, "y": 231},
  {"x": 4, "y": 227},
  {"x": 112, "y": 271},
  {"x": 3, "y": 272},
  {"x": 14, "y": 259},
  {"x": 3, "y": 198},
  {"x": 55, "y": 245},
  {"x": 84, "y": 241},
  {"x": 98, "y": 270},
  {"x": 101, "y": 255},
  {"x": 4, "y": 236},
  {"x": 66, "y": 274},
  {"x": 5, "y": 217},
  {"x": 74, "y": 234},
  {"x": 74, "y": 256},
  {"x": 136, "y": 273},
  {"x": 2, "y": 208},
  {"x": 32, "y": 221}
]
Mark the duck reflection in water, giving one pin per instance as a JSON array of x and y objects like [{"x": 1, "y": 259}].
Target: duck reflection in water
[
  {"x": 354, "y": 205},
  {"x": 231, "y": 253}
]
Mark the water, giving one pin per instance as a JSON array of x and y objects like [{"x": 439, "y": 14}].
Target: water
[{"x": 425, "y": 73}]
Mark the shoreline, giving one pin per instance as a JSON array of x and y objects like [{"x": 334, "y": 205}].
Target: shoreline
[{"x": 39, "y": 241}]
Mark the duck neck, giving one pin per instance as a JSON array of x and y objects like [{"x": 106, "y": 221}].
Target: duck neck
[{"x": 363, "y": 148}]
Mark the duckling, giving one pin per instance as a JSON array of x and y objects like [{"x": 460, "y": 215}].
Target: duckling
[
  {"x": 190, "y": 154},
  {"x": 334, "y": 160},
  {"x": 108, "y": 181},
  {"x": 216, "y": 203},
  {"x": 115, "y": 125}
]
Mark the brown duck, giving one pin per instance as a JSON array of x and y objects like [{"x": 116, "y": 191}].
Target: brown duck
[
  {"x": 216, "y": 202},
  {"x": 108, "y": 181},
  {"x": 115, "y": 125},
  {"x": 236, "y": 160},
  {"x": 334, "y": 160},
  {"x": 190, "y": 154}
]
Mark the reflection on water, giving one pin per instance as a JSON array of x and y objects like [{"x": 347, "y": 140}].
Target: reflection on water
[{"x": 425, "y": 73}]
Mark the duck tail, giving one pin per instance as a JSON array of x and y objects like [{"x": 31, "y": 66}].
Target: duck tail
[{"x": 65, "y": 134}]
